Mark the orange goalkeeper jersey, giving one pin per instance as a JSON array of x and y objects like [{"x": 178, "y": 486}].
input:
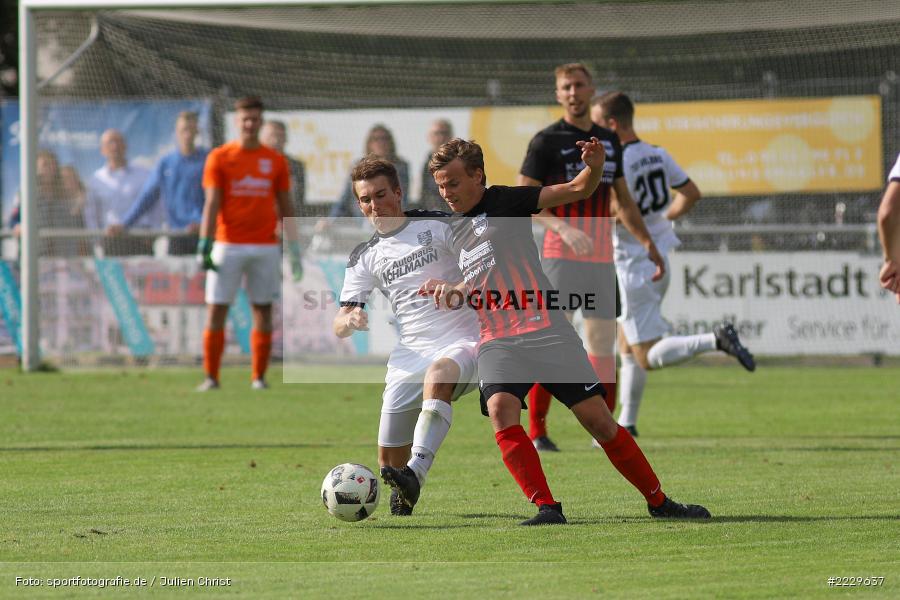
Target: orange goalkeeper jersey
[{"x": 248, "y": 180}]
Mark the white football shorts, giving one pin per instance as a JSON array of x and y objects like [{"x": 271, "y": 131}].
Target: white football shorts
[
  {"x": 642, "y": 319},
  {"x": 402, "y": 397},
  {"x": 260, "y": 263}
]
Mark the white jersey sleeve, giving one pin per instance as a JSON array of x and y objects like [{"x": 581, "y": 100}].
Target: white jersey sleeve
[
  {"x": 359, "y": 280},
  {"x": 895, "y": 172},
  {"x": 675, "y": 174}
]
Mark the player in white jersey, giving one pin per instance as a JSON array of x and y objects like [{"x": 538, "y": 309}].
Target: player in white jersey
[
  {"x": 650, "y": 173},
  {"x": 889, "y": 232},
  {"x": 436, "y": 357}
]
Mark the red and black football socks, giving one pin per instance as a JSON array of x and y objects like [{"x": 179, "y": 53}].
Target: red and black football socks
[
  {"x": 523, "y": 462},
  {"x": 627, "y": 457}
]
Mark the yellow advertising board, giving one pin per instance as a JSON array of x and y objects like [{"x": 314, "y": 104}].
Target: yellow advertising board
[{"x": 729, "y": 147}]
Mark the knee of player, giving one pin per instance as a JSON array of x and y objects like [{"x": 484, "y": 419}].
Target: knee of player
[
  {"x": 601, "y": 337},
  {"x": 604, "y": 428},
  {"x": 443, "y": 372},
  {"x": 639, "y": 354},
  {"x": 642, "y": 360},
  {"x": 440, "y": 390},
  {"x": 504, "y": 409},
  {"x": 215, "y": 319},
  {"x": 594, "y": 416}
]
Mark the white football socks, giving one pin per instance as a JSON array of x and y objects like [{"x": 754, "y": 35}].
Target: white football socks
[
  {"x": 673, "y": 350},
  {"x": 431, "y": 429},
  {"x": 631, "y": 389}
]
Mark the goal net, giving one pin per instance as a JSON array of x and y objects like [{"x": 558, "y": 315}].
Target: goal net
[{"x": 784, "y": 113}]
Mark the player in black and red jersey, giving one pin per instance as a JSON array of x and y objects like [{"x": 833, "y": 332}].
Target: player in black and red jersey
[
  {"x": 577, "y": 251},
  {"x": 525, "y": 337}
]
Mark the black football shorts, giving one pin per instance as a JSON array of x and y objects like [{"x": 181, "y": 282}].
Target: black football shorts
[{"x": 553, "y": 357}]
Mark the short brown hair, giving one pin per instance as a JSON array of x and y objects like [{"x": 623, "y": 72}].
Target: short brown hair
[
  {"x": 371, "y": 167},
  {"x": 467, "y": 151},
  {"x": 248, "y": 103},
  {"x": 569, "y": 68},
  {"x": 379, "y": 128},
  {"x": 616, "y": 105},
  {"x": 188, "y": 115}
]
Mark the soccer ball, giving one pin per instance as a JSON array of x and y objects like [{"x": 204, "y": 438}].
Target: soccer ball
[{"x": 350, "y": 492}]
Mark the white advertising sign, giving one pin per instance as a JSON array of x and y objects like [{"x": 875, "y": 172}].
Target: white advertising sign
[{"x": 786, "y": 303}]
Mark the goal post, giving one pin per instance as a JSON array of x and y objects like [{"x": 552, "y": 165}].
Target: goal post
[{"x": 30, "y": 337}]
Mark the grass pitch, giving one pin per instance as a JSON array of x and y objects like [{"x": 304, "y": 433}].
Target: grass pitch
[{"x": 135, "y": 475}]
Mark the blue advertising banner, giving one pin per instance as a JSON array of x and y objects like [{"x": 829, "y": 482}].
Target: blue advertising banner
[
  {"x": 72, "y": 131},
  {"x": 241, "y": 320},
  {"x": 131, "y": 324},
  {"x": 10, "y": 304}
]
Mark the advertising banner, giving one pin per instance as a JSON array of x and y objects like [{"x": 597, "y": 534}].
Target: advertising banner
[
  {"x": 72, "y": 131},
  {"x": 786, "y": 303},
  {"x": 729, "y": 147},
  {"x": 10, "y": 307},
  {"x": 781, "y": 303},
  {"x": 131, "y": 324},
  {"x": 93, "y": 311},
  {"x": 738, "y": 147}
]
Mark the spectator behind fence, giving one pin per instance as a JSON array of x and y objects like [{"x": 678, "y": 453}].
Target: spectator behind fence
[
  {"x": 112, "y": 190},
  {"x": 379, "y": 144},
  {"x": 439, "y": 133},
  {"x": 57, "y": 208},
  {"x": 74, "y": 190},
  {"x": 178, "y": 179},
  {"x": 274, "y": 135}
]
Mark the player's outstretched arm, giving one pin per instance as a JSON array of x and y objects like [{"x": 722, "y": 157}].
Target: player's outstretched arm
[
  {"x": 350, "y": 319},
  {"x": 628, "y": 213},
  {"x": 685, "y": 198},
  {"x": 585, "y": 183},
  {"x": 889, "y": 233},
  {"x": 147, "y": 199}
]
